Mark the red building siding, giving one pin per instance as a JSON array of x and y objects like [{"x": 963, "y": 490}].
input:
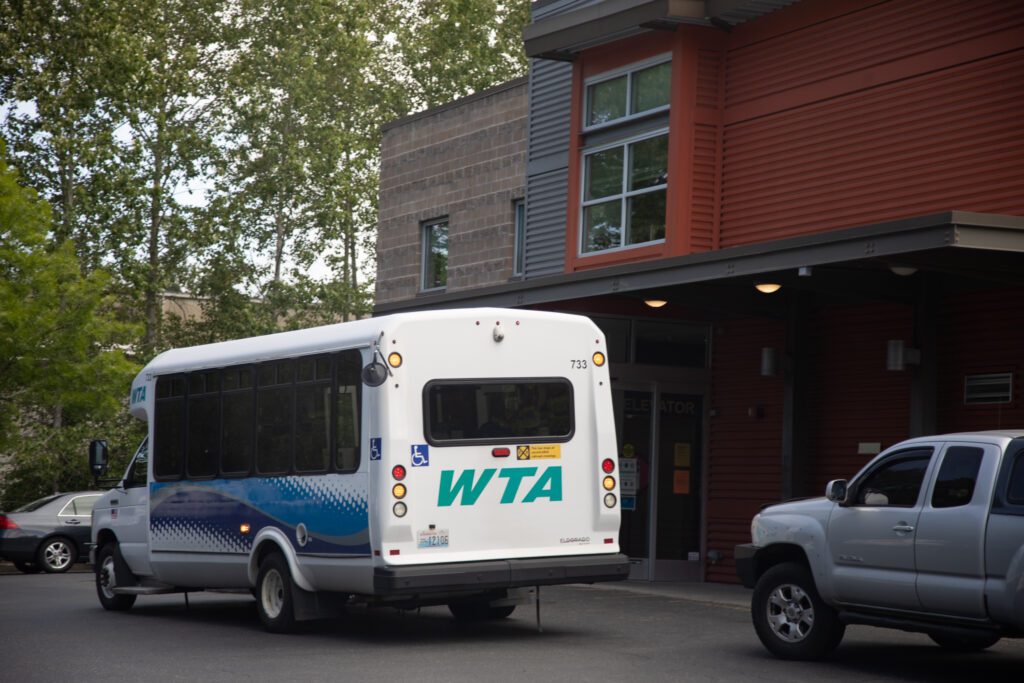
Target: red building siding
[
  {"x": 844, "y": 113},
  {"x": 980, "y": 333},
  {"x": 853, "y": 399},
  {"x": 745, "y": 464}
]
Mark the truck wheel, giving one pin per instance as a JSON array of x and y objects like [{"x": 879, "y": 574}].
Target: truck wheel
[
  {"x": 977, "y": 643},
  {"x": 27, "y": 567},
  {"x": 479, "y": 611},
  {"x": 790, "y": 617},
  {"x": 56, "y": 555},
  {"x": 106, "y": 582},
  {"x": 274, "y": 594}
]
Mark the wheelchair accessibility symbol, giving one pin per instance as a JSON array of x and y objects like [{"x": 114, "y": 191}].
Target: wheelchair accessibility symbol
[
  {"x": 375, "y": 449},
  {"x": 420, "y": 455}
]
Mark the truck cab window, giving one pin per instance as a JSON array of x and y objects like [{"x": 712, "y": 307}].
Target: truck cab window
[
  {"x": 896, "y": 483},
  {"x": 959, "y": 472}
]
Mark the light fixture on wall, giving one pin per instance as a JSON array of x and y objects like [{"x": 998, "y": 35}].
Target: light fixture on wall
[
  {"x": 655, "y": 303},
  {"x": 898, "y": 355},
  {"x": 767, "y": 287},
  {"x": 769, "y": 361}
]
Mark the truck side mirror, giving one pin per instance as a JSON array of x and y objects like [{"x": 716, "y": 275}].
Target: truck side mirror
[
  {"x": 836, "y": 491},
  {"x": 98, "y": 458}
]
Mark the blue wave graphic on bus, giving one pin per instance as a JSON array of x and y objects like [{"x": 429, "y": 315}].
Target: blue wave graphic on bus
[{"x": 206, "y": 516}]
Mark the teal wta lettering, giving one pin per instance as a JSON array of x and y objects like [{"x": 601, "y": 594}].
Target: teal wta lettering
[{"x": 467, "y": 489}]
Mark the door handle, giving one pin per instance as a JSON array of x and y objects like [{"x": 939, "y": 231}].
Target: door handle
[
  {"x": 72, "y": 521},
  {"x": 903, "y": 526}
]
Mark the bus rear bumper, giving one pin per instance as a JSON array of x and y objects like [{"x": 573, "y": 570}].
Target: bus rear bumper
[{"x": 461, "y": 576}]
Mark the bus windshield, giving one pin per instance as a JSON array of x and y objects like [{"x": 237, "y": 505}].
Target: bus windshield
[{"x": 529, "y": 411}]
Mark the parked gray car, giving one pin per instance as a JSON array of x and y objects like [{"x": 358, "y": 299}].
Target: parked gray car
[
  {"x": 928, "y": 537},
  {"x": 49, "y": 534}
]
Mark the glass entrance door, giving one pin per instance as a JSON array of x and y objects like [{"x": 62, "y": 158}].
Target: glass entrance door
[{"x": 659, "y": 434}]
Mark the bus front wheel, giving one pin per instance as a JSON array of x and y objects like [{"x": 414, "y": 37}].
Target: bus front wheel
[
  {"x": 106, "y": 582},
  {"x": 274, "y": 594}
]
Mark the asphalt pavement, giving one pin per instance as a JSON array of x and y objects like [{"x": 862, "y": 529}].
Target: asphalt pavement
[{"x": 52, "y": 627}]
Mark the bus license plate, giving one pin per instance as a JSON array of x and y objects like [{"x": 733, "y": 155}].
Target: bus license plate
[{"x": 435, "y": 538}]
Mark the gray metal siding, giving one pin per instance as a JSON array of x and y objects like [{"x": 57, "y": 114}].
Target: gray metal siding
[
  {"x": 545, "y": 223},
  {"x": 547, "y": 155}
]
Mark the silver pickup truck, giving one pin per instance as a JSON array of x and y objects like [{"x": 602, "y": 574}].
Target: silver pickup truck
[{"x": 928, "y": 537}]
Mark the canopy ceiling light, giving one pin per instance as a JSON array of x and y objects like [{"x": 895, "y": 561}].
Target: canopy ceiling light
[
  {"x": 767, "y": 287},
  {"x": 655, "y": 303},
  {"x": 903, "y": 271}
]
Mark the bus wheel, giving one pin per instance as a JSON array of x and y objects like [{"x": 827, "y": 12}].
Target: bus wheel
[
  {"x": 274, "y": 595},
  {"x": 106, "y": 582},
  {"x": 479, "y": 611}
]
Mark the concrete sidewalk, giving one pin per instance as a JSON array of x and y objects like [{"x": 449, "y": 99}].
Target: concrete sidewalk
[{"x": 713, "y": 593}]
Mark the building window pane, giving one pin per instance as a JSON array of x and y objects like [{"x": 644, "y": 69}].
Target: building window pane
[
  {"x": 651, "y": 88},
  {"x": 646, "y": 217},
  {"x": 607, "y": 101},
  {"x": 602, "y": 226},
  {"x": 519, "y": 256},
  {"x": 604, "y": 173},
  {"x": 435, "y": 254},
  {"x": 638, "y": 194},
  {"x": 648, "y": 163}
]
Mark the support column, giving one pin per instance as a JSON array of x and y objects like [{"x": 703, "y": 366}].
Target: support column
[
  {"x": 794, "y": 404},
  {"x": 925, "y": 379}
]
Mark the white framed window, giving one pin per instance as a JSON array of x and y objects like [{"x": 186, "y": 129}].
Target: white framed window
[
  {"x": 435, "y": 254},
  {"x": 624, "y": 192},
  {"x": 519, "y": 251},
  {"x": 635, "y": 91}
]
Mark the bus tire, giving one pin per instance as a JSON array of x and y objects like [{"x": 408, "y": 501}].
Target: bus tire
[
  {"x": 479, "y": 611},
  {"x": 274, "y": 597},
  {"x": 106, "y": 581}
]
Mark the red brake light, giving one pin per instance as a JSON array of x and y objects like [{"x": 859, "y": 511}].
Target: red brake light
[
  {"x": 608, "y": 465},
  {"x": 7, "y": 523},
  {"x": 398, "y": 472}
]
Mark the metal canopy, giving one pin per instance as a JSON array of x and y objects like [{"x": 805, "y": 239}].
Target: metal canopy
[
  {"x": 561, "y": 36},
  {"x": 969, "y": 246}
]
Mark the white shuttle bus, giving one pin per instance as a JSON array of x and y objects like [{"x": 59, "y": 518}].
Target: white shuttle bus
[{"x": 446, "y": 457}]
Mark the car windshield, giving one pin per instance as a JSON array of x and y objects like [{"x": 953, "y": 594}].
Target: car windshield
[{"x": 36, "y": 504}]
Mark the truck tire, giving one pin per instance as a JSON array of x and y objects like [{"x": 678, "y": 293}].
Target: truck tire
[
  {"x": 106, "y": 581},
  {"x": 274, "y": 594},
  {"x": 977, "y": 643},
  {"x": 790, "y": 617}
]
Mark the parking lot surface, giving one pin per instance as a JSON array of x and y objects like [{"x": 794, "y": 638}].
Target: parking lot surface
[{"x": 52, "y": 627}]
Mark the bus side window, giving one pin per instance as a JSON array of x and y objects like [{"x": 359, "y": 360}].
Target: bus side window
[
  {"x": 312, "y": 414},
  {"x": 274, "y": 417},
  {"x": 137, "y": 474},
  {"x": 203, "y": 441},
  {"x": 238, "y": 403},
  {"x": 168, "y": 430},
  {"x": 348, "y": 404}
]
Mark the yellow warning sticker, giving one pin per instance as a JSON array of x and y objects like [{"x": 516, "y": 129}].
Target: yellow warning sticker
[{"x": 552, "y": 451}]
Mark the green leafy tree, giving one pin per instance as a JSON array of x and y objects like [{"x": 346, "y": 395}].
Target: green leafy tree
[{"x": 61, "y": 370}]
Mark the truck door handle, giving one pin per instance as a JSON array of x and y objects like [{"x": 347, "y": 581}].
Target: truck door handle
[
  {"x": 72, "y": 521},
  {"x": 903, "y": 526}
]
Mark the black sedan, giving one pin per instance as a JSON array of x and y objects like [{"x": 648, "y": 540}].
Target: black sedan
[{"x": 49, "y": 534}]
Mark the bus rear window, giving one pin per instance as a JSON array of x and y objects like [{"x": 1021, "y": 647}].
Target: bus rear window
[{"x": 498, "y": 411}]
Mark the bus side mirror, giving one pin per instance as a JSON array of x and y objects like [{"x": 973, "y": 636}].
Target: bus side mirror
[
  {"x": 375, "y": 374},
  {"x": 836, "y": 491},
  {"x": 98, "y": 458}
]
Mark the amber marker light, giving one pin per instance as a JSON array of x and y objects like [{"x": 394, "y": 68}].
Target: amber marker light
[
  {"x": 394, "y": 359},
  {"x": 598, "y": 358},
  {"x": 245, "y": 528},
  {"x": 608, "y": 483},
  {"x": 398, "y": 490}
]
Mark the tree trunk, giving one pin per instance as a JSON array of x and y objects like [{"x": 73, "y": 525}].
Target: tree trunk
[{"x": 155, "y": 216}]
